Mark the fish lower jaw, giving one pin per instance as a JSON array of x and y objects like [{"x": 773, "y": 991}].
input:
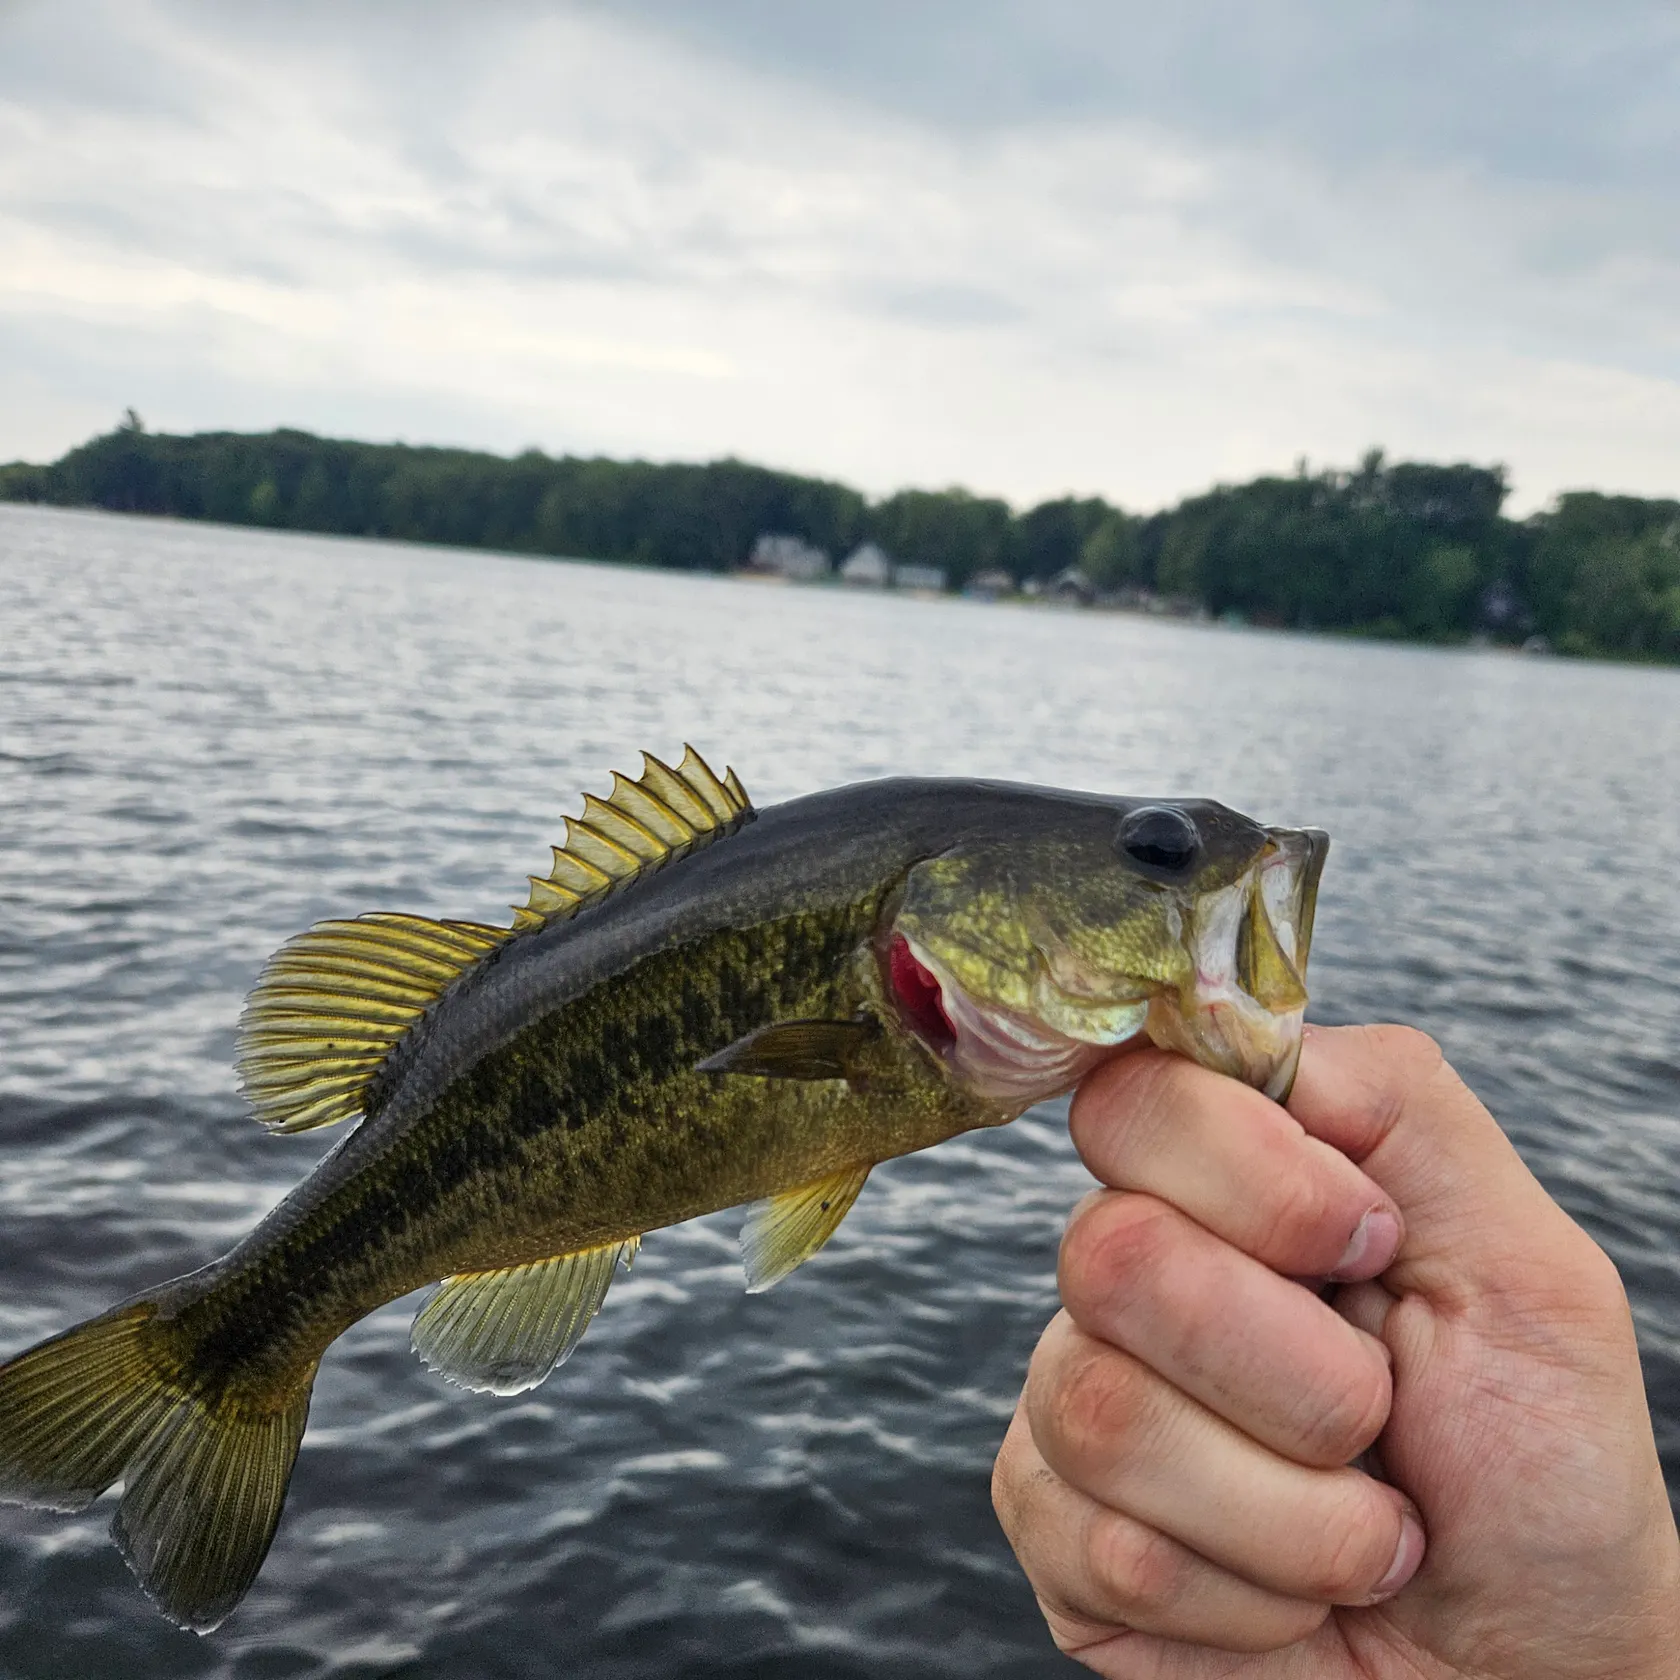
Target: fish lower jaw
[{"x": 1227, "y": 1031}]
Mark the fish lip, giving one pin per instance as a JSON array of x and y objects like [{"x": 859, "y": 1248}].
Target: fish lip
[
  {"x": 1318, "y": 850},
  {"x": 1231, "y": 1035},
  {"x": 1213, "y": 1019}
]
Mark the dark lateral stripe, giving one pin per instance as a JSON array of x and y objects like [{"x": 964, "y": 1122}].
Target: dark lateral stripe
[{"x": 601, "y": 1062}]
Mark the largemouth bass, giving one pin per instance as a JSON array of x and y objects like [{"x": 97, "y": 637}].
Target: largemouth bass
[{"x": 699, "y": 1005}]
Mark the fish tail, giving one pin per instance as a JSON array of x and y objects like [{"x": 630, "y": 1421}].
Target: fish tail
[{"x": 204, "y": 1464}]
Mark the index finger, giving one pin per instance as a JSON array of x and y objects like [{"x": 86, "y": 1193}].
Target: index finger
[{"x": 1237, "y": 1163}]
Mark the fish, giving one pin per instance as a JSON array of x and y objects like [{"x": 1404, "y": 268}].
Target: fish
[{"x": 699, "y": 1005}]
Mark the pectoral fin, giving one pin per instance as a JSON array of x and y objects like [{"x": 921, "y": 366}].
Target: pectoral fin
[
  {"x": 503, "y": 1332},
  {"x": 784, "y": 1231},
  {"x": 794, "y": 1050}
]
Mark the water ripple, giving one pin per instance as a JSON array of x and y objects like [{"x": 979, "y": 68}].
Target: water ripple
[{"x": 209, "y": 738}]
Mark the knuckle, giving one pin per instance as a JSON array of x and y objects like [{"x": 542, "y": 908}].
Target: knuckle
[
  {"x": 1412, "y": 1051},
  {"x": 1398, "y": 1063},
  {"x": 1601, "y": 1281},
  {"x": 1412, "y": 1059},
  {"x": 1045, "y": 1372},
  {"x": 1099, "y": 1408},
  {"x": 1588, "y": 1293},
  {"x": 1136, "y": 1568},
  {"x": 1010, "y": 1480},
  {"x": 1114, "y": 1241}
]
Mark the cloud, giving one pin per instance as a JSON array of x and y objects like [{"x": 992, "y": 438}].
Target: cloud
[
  {"x": 1552, "y": 90},
  {"x": 1081, "y": 246}
]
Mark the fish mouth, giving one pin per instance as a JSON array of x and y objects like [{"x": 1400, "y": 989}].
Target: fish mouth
[{"x": 1239, "y": 1010}]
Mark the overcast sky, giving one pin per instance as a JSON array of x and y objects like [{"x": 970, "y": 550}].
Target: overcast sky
[{"x": 1029, "y": 247}]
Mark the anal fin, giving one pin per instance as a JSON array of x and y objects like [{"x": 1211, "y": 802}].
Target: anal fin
[
  {"x": 784, "y": 1231},
  {"x": 503, "y": 1332}
]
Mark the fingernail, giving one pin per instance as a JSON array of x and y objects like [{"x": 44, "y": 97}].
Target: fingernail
[
  {"x": 1407, "y": 1556},
  {"x": 1371, "y": 1248}
]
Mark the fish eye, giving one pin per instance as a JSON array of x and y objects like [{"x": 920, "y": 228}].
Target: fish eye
[{"x": 1160, "y": 837}]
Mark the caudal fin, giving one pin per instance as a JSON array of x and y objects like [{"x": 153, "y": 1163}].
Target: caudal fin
[{"x": 204, "y": 1471}]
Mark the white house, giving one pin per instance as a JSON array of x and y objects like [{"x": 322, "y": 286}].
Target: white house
[
  {"x": 867, "y": 566},
  {"x": 1071, "y": 588},
  {"x": 990, "y": 585},
  {"x": 918, "y": 577},
  {"x": 790, "y": 557}
]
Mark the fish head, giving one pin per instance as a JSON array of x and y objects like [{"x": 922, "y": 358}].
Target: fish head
[{"x": 1023, "y": 958}]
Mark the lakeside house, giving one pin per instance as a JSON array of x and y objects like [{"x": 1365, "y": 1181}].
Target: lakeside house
[
  {"x": 777, "y": 554},
  {"x": 929, "y": 578},
  {"x": 1070, "y": 587},
  {"x": 782, "y": 557},
  {"x": 868, "y": 566},
  {"x": 993, "y": 584}
]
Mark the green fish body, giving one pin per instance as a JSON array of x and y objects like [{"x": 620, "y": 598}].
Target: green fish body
[{"x": 700, "y": 1006}]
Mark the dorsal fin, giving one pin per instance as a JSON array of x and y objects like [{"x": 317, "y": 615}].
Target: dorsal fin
[
  {"x": 332, "y": 1003},
  {"x": 640, "y": 826}
]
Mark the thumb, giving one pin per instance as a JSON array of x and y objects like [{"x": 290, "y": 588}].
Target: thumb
[{"x": 1387, "y": 1098}]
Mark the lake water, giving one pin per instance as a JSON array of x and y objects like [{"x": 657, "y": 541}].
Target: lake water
[{"x": 210, "y": 738}]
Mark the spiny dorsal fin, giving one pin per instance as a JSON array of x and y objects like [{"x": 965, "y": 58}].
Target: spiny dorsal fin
[
  {"x": 503, "y": 1332},
  {"x": 640, "y": 826},
  {"x": 331, "y": 1002}
]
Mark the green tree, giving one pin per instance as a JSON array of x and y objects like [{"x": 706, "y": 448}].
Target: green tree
[
  {"x": 1626, "y": 597},
  {"x": 1442, "y": 591},
  {"x": 1052, "y": 536},
  {"x": 265, "y": 503},
  {"x": 1402, "y": 548},
  {"x": 1111, "y": 556},
  {"x": 1562, "y": 541},
  {"x": 959, "y": 533}
]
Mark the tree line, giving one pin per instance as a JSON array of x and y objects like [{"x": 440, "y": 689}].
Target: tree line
[{"x": 1403, "y": 549}]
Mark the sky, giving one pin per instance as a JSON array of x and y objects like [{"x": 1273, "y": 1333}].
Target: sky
[{"x": 1033, "y": 248}]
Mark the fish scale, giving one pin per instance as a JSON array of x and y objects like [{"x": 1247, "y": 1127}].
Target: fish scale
[
  {"x": 699, "y": 1006},
  {"x": 583, "y": 1129}
]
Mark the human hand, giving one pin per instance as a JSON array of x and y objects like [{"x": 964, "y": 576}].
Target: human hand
[{"x": 1178, "y": 1479}]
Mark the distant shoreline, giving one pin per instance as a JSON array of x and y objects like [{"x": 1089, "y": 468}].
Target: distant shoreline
[
  {"x": 1182, "y": 621},
  {"x": 1402, "y": 551}
]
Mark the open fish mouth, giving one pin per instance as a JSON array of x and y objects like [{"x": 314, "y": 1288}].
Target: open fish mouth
[
  {"x": 1241, "y": 1012},
  {"x": 1238, "y": 1010}
]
